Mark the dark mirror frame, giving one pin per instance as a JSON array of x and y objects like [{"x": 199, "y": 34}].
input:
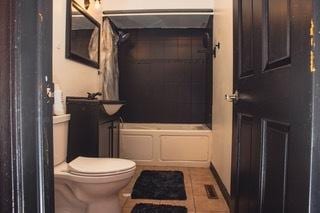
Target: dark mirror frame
[{"x": 69, "y": 54}]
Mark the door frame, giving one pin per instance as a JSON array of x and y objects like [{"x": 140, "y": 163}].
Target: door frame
[{"x": 26, "y": 159}]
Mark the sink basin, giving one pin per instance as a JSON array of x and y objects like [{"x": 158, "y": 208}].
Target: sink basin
[{"x": 112, "y": 107}]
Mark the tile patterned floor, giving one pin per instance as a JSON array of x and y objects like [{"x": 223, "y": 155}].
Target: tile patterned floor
[{"x": 194, "y": 179}]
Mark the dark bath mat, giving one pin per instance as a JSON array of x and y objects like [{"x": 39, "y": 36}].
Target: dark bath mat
[
  {"x": 159, "y": 185},
  {"x": 150, "y": 208}
]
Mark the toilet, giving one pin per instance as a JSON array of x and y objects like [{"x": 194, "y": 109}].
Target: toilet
[{"x": 86, "y": 185}]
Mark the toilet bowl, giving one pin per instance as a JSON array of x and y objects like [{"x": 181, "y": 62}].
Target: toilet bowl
[{"x": 86, "y": 184}]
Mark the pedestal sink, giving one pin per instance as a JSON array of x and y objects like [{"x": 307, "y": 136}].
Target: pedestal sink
[{"x": 112, "y": 107}]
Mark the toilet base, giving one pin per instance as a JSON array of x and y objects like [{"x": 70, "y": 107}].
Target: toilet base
[
  {"x": 86, "y": 194},
  {"x": 111, "y": 205}
]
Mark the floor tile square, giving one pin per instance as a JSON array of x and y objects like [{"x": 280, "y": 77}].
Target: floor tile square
[
  {"x": 198, "y": 189},
  {"x": 202, "y": 203},
  {"x": 202, "y": 179},
  {"x": 130, "y": 203},
  {"x": 189, "y": 204}
]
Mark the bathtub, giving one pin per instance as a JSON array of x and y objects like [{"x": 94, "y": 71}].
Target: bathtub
[{"x": 166, "y": 144}]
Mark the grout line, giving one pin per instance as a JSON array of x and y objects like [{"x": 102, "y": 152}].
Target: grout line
[{"x": 194, "y": 201}]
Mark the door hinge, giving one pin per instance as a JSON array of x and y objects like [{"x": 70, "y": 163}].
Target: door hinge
[
  {"x": 49, "y": 97},
  {"x": 313, "y": 46}
]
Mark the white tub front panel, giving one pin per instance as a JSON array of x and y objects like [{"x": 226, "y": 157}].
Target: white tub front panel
[
  {"x": 166, "y": 144},
  {"x": 136, "y": 147},
  {"x": 184, "y": 148}
]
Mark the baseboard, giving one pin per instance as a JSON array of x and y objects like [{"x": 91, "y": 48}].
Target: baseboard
[
  {"x": 222, "y": 187},
  {"x": 204, "y": 164}
]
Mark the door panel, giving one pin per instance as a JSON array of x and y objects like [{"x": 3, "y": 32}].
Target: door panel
[
  {"x": 247, "y": 39},
  {"x": 248, "y": 163},
  {"x": 245, "y": 130},
  {"x": 277, "y": 33},
  {"x": 271, "y": 157},
  {"x": 275, "y": 139}
]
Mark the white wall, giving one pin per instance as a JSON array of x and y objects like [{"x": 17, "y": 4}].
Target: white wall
[
  {"x": 156, "y": 4},
  {"x": 223, "y": 81},
  {"x": 74, "y": 78}
]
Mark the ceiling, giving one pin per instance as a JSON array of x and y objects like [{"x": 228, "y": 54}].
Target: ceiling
[{"x": 181, "y": 21}]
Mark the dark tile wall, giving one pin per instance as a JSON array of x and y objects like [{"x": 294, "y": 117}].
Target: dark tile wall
[{"x": 163, "y": 77}]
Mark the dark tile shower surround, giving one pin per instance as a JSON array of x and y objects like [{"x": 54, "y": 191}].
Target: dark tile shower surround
[{"x": 164, "y": 78}]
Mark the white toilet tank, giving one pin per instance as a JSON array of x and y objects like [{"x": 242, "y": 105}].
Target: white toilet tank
[{"x": 60, "y": 138}]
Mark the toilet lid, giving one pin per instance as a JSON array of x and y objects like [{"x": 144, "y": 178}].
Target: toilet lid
[{"x": 85, "y": 165}]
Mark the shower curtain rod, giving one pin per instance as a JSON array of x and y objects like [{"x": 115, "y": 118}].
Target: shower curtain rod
[{"x": 157, "y": 11}]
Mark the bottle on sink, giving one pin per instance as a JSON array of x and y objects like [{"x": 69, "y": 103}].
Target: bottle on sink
[{"x": 58, "y": 106}]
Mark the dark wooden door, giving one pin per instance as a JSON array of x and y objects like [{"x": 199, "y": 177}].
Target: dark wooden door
[{"x": 272, "y": 118}]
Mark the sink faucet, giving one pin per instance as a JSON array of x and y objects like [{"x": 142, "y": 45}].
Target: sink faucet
[{"x": 92, "y": 96}]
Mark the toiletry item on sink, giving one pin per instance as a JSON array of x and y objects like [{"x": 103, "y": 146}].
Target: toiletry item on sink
[{"x": 58, "y": 106}]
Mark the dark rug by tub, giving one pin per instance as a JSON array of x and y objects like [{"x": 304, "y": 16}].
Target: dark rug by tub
[
  {"x": 159, "y": 185},
  {"x": 150, "y": 208}
]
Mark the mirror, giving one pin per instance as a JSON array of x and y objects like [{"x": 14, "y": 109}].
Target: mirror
[{"x": 82, "y": 36}]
